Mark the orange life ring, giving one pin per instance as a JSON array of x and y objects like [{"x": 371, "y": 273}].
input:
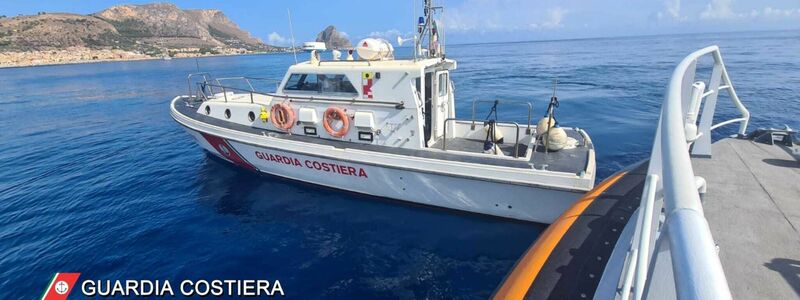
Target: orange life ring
[
  {"x": 282, "y": 116},
  {"x": 335, "y": 114}
]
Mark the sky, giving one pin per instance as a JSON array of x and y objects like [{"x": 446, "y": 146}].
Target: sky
[{"x": 472, "y": 21}]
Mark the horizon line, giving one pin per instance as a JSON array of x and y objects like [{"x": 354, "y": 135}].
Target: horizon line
[{"x": 627, "y": 36}]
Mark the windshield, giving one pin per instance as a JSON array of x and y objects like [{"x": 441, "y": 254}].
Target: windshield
[{"x": 330, "y": 84}]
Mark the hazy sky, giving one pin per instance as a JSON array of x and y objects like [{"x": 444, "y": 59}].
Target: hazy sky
[{"x": 475, "y": 20}]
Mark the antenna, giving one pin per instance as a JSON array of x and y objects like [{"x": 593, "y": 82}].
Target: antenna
[
  {"x": 291, "y": 31},
  {"x": 430, "y": 31},
  {"x": 441, "y": 29},
  {"x": 197, "y": 64},
  {"x": 555, "y": 84},
  {"x": 414, "y": 28}
]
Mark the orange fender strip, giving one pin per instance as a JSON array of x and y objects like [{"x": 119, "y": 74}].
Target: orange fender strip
[{"x": 517, "y": 284}]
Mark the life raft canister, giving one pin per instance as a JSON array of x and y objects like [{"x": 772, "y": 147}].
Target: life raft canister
[
  {"x": 282, "y": 116},
  {"x": 333, "y": 114}
]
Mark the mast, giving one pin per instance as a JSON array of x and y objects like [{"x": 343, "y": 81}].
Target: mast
[{"x": 429, "y": 32}]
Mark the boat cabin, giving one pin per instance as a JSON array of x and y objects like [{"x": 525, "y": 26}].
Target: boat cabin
[
  {"x": 395, "y": 103},
  {"x": 398, "y": 103}
]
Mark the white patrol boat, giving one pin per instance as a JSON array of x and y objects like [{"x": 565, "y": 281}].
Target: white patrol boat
[{"x": 387, "y": 127}]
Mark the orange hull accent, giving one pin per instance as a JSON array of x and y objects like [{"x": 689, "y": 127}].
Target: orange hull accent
[{"x": 524, "y": 273}]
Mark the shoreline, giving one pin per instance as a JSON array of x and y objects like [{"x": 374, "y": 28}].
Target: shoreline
[{"x": 129, "y": 59}]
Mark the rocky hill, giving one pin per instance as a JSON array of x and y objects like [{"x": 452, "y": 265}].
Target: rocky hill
[
  {"x": 333, "y": 39},
  {"x": 49, "y": 31},
  {"x": 150, "y": 28}
]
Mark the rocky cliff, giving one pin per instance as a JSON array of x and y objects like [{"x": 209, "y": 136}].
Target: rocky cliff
[
  {"x": 333, "y": 39},
  {"x": 144, "y": 28}
]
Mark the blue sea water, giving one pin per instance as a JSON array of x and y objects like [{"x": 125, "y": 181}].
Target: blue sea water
[{"x": 95, "y": 177}]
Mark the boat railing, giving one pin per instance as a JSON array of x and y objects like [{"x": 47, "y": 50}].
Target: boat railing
[
  {"x": 335, "y": 61},
  {"x": 672, "y": 249},
  {"x": 444, "y": 134},
  {"x": 204, "y": 86},
  {"x": 249, "y": 81},
  {"x": 207, "y": 86},
  {"x": 525, "y": 104},
  {"x": 190, "y": 79}
]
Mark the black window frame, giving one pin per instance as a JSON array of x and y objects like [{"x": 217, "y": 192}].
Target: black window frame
[{"x": 336, "y": 80}]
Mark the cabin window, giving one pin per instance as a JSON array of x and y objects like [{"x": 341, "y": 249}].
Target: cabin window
[
  {"x": 302, "y": 82},
  {"x": 331, "y": 84},
  {"x": 442, "y": 84},
  {"x": 336, "y": 83}
]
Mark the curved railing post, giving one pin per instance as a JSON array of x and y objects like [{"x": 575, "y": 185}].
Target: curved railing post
[
  {"x": 695, "y": 266},
  {"x": 719, "y": 81}
]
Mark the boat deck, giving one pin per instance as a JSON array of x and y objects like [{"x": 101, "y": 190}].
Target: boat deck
[
  {"x": 476, "y": 146},
  {"x": 565, "y": 160},
  {"x": 573, "y": 160},
  {"x": 753, "y": 208}
]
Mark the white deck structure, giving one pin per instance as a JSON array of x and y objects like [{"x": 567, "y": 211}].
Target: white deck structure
[{"x": 741, "y": 240}]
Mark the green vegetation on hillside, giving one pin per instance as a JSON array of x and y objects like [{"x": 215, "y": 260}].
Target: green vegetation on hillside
[{"x": 131, "y": 28}]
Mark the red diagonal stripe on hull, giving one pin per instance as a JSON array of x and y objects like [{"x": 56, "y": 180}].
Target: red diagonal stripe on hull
[
  {"x": 226, "y": 150},
  {"x": 61, "y": 286}
]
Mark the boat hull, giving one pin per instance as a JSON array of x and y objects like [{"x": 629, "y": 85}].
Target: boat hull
[{"x": 507, "y": 200}]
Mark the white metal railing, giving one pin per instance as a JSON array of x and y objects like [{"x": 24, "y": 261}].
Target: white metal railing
[
  {"x": 191, "y": 79},
  {"x": 249, "y": 81},
  {"x": 206, "y": 87},
  {"x": 672, "y": 253}
]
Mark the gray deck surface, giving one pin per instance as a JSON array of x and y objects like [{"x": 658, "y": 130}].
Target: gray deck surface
[
  {"x": 566, "y": 160},
  {"x": 573, "y": 160},
  {"x": 753, "y": 208}
]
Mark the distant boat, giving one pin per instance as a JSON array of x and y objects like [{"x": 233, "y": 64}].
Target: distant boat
[{"x": 310, "y": 46}]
